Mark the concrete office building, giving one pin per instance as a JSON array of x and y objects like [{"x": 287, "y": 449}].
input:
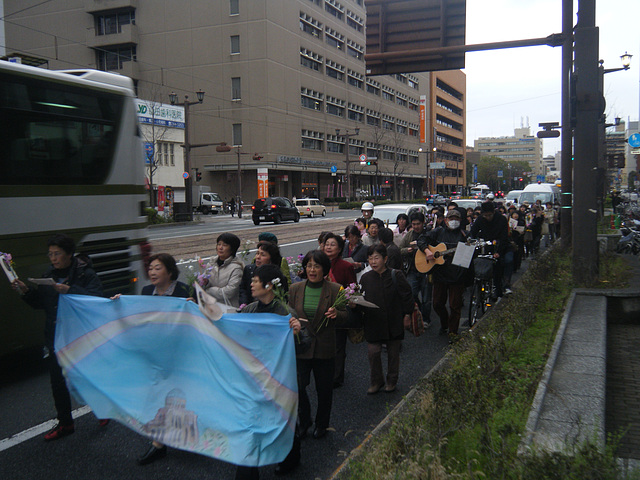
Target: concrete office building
[
  {"x": 522, "y": 146},
  {"x": 280, "y": 77}
]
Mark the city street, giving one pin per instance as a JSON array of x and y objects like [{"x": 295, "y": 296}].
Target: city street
[{"x": 93, "y": 452}]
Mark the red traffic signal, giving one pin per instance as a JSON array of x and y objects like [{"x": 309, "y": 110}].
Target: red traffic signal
[{"x": 257, "y": 157}]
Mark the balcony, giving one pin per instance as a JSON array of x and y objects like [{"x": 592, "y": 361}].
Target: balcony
[
  {"x": 97, "y": 6},
  {"x": 128, "y": 35}
]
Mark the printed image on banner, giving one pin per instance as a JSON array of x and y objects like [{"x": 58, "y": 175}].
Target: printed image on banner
[{"x": 225, "y": 389}]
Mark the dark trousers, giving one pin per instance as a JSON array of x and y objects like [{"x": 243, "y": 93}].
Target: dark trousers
[
  {"x": 61, "y": 396},
  {"x": 421, "y": 290},
  {"x": 455, "y": 292},
  {"x": 323, "y": 375},
  {"x": 393, "y": 362},
  {"x": 341, "y": 354}
]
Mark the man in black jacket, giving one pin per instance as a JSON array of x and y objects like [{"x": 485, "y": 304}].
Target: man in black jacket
[
  {"x": 448, "y": 279},
  {"x": 492, "y": 226},
  {"x": 71, "y": 275}
]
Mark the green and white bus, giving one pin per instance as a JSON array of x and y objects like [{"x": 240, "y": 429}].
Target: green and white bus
[{"x": 71, "y": 161}]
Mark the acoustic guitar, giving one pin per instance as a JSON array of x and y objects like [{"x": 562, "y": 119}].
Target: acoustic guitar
[{"x": 439, "y": 251}]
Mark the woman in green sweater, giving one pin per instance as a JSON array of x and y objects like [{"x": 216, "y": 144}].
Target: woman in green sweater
[{"x": 313, "y": 300}]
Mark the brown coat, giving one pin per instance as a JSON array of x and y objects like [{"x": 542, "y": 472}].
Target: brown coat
[{"x": 324, "y": 340}]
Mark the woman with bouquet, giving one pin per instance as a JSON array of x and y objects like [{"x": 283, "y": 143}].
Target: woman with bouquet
[
  {"x": 313, "y": 300},
  {"x": 390, "y": 291}
]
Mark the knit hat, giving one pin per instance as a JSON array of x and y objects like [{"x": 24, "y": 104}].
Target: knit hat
[
  {"x": 268, "y": 237},
  {"x": 454, "y": 213}
]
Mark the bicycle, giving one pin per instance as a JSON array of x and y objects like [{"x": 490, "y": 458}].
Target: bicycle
[{"x": 482, "y": 288}]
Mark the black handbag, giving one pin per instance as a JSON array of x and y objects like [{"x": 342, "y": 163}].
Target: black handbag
[{"x": 303, "y": 340}]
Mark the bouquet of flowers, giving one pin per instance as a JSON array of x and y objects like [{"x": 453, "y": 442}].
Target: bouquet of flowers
[
  {"x": 7, "y": 265},
  {"x": 245, "y": 249},
  {"x": 295, "y": 268},
  {"x": 199, "y": 275},
  {"x": 345, "y": 295}
]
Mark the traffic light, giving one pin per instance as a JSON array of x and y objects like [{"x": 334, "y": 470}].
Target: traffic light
[
  {"x": 198, "y": 175},
  {"x": 257, "y": 157},
  {"x": 372, "y": 162}
]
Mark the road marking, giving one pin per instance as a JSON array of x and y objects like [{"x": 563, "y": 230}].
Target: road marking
[{"x": 37, "y": 430}]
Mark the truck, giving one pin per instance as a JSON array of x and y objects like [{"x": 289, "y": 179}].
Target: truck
[{"x": 205, "y": 201}]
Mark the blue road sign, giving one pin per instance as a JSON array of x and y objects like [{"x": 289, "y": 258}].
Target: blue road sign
[
  {"x": 634, "y": 140},
  {"x": 334, "y": 169}
]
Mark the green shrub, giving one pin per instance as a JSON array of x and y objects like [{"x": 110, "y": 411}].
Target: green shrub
[{"x": 155, "y": 218}]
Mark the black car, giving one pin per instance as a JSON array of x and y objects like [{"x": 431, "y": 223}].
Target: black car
[{"x": 274, "y": 209}]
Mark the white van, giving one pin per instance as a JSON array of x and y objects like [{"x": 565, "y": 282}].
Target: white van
[
  {"x": 513, "y": 196},
  {"x": 545, "y": 192}
]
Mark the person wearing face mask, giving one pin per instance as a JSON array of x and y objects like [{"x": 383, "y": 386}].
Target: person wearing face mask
[{"x": 448, "y": 279}]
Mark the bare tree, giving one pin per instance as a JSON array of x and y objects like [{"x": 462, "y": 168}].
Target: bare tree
[
  {"x": 397, "y": 143},
  {"x": 154, "y": 135}
]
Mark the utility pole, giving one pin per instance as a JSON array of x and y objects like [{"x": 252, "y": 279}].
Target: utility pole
[
  {"x": 588, "y": 111},
  {"x": 566, "y": 165},
  {"x": 346, "y": 137}
]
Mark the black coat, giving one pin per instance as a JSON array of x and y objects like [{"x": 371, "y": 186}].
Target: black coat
[
  {"x": 245, "y": 297},
  {"x": 81, "y": 279},
  {"x": 181, "y": 290},
  {"x": 446, "y": 273},
  {"x": 394, "y": 301},
  {"x": 497, "y": 229}
]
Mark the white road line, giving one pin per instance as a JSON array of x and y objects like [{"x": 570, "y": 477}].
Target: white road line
[{"x": 37, "y": 430}]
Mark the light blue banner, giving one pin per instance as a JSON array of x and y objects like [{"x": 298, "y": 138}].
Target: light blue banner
[{"x": 225, "y": 389}]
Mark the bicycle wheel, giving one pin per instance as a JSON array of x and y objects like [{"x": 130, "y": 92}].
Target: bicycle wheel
[{"x": 476, "y": 304}]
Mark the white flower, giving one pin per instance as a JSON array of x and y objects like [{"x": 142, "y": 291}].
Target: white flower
[{"x": 275, "y": 282}]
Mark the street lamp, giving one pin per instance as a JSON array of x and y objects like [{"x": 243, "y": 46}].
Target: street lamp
[
  {"x": 346, "y": 137},
  {"x": 173, "y": 98}
]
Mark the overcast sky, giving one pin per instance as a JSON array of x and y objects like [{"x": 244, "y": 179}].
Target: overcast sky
[{"x": 505, "y": 87}]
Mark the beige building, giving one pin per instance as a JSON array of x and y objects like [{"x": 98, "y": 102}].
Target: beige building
[
  {"x": 280, "y": 78},
  {"x": 522, "y": 146}
]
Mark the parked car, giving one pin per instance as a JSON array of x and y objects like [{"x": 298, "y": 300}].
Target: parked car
[
  {"x": 310, "y": 207},
  {"x": 436, "y": 199},
  {"x": 389, "y": 213},
  {"x": 274, "y": 209},
  {"x": 513, "y": 196}
]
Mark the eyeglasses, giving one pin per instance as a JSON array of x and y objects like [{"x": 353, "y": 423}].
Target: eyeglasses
[
  {"x": 314, "y": 266},
  {"x": 54, "y": 254}
]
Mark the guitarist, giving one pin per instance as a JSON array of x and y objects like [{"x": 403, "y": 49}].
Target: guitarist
[{"x": 448, "y": 279}]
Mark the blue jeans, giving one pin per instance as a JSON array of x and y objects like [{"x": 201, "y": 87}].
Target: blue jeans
[{"x": 422, "y": 293}]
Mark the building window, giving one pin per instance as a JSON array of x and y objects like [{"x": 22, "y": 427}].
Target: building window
[
  {"x": 236, "y": 88},
  {"x": 334, "y": 38},
  {"x": 355, "y": 50},
  {"x": 312, "y": 140},
  {"x": 335, "y": 110},
  {"x": 334, "y": 72},
  {"x": 312, "y": 103},
  {"x": 112, "y": 23},
  {"x": 113, "y": 58},
  {"x": 388, "y": 96},
  {"x": 401, "y": 129},
  {"x": 373, "y": 121},
  {"x": 310, "y": 26},
  {"x": 310, "y": 60},
  {"x": 237, "y": 134},
  {"x": 373, "y": 89},
  {"x": 311, "y": 99},
  {"x": 413, "y": 106},
  {"x": 401, "y": 101},
  {"x": 334, "y": 8},
  {"x": 234, "y": 7},
  {"x": 387, "y": 125},
  {"x": 356, "y": 116},
  {"x": 235, "y": 44},
  {"x": 413, "y": 82},
  {"x": 354, "y": 21}
]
